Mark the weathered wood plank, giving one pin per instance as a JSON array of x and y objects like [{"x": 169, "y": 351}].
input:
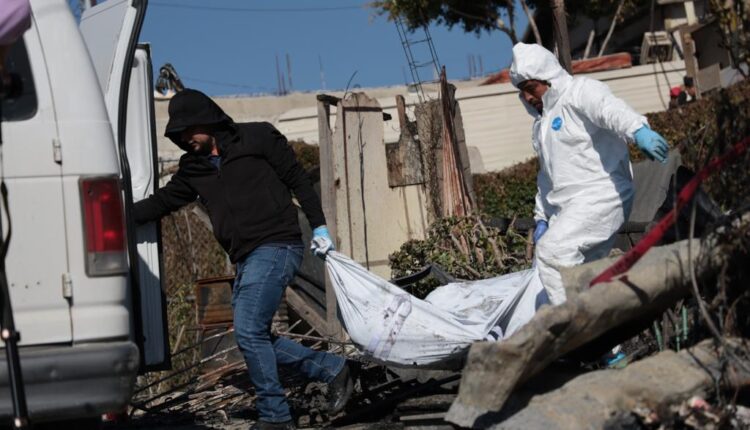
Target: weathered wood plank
[{"x": 328, "y": 189}]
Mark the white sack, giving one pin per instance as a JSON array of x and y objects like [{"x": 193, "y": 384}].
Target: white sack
[{"x": 393, "y": 327}]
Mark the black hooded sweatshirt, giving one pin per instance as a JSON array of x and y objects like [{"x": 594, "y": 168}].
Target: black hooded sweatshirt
[{"x": 249, "y": 196}]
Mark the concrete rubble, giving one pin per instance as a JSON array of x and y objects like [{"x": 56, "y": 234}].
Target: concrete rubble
[
  {"x": 594, "y": 399},
  {"x": 514, "y": 384},
  {"x": 494, "y": 370},
  {"x": 500, "y": 385}
]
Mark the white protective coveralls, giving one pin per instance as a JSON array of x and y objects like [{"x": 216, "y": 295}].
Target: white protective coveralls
[{"x": 585, "y": 186}]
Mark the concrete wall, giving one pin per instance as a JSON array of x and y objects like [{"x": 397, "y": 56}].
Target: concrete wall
[
  {"x": 272, "y": 108},
  {"x": 498, "y": 128},
  {"x": 372, "y": 219}
]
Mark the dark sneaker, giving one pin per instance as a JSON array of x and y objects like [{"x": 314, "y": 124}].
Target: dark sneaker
[
  {"x": 264, "y": 425},
  {"x": 340, "y": 390}
]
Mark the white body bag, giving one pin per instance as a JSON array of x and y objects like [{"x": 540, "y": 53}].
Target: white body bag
[{"x": 392, "y": 327}]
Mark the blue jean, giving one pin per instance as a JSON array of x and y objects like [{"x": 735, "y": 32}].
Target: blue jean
[{"x": 258, "y": 289}]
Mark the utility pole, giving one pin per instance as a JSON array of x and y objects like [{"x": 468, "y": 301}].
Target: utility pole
[
  {"x": 562, "y": 41},
  {"x": 322, "y": 75},
  {"x": 281, "y": 90}
]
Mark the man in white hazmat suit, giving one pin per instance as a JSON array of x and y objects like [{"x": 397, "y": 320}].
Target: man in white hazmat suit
[{"x": 585, "y": 186}]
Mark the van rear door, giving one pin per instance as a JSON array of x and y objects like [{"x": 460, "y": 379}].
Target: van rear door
[
  {"x": 36, "y": 264},
  {"x": 111, "y": 30}
]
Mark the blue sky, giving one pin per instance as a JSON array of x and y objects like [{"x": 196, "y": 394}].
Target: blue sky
[{"x": 222, "y": 48}]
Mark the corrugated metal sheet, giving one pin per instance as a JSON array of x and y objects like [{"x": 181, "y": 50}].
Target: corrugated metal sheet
[
  {"x": 620, "y": 60},
  {"x": 496, "y": 123}
]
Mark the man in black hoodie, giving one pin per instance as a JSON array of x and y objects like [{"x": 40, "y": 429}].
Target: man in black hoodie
[{"x": 244, "y": 174}]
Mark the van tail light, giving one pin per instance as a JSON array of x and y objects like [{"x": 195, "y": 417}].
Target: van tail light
[{"x": 104, "y": 225}]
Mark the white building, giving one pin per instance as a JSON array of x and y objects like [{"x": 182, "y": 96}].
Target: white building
[{"x": 497, "y": 127}]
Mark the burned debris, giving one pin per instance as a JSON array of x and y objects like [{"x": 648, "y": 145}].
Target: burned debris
[{"x": 682, "y": 295}]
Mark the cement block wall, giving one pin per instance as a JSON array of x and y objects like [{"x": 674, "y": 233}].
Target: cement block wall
[
  {"x": 372, "y": 219},
  {"x": 498, "y": 128}
]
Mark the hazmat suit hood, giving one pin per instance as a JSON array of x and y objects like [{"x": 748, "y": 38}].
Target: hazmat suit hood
[
  {"x": 532, "y": 61},
  {"x": 191, "y": 107}
]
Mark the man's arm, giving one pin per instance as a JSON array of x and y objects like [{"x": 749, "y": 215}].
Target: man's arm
[
  {"x": 600, "y": 106},
  {"x": 176, "y": 194},
  {"x": 281, "y": 157},
  {"x": 542, "y": 210}
]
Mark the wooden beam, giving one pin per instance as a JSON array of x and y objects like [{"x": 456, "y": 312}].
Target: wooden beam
[
  {"x": 562, "y": 40},
  {"x": 328, "y": 198},
  {"x": 307, "y": 310}
]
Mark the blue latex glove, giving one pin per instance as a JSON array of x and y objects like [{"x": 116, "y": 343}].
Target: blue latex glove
[
  {"x": 541, "y": 227},
  {"x": 652, "y": 144},
  {"x": 321, "y": 242}
]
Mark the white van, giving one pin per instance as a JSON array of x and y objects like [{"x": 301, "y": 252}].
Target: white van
[{"x": 78, "y": 149}]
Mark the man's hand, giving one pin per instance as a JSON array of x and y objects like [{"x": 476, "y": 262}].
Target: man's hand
[
  {"x": 321, "y": 242},
  {"x": 541, "y": 227},
  {"x": 652, "y": 144}
]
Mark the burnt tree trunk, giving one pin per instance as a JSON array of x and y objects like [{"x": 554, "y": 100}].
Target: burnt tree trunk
[{"x": 561, "y": 34}]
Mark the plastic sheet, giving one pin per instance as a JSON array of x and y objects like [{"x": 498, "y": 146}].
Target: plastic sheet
[{"x": 389, "y": 325}]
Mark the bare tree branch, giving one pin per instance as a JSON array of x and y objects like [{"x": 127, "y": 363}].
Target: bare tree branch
[
  {"x": 532, "y": 22},
  {"x": 612, "y": 27},
  {"x": 499, "y": 24},
  {"x": 592, "y": 33}
]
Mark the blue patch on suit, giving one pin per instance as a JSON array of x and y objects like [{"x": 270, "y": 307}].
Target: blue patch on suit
[{"x": 557, "y": 123}]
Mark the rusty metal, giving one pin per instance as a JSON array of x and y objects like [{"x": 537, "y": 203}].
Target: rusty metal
[{"x": 213, "y": 301}]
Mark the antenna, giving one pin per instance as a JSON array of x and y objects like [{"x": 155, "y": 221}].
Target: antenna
[
  {"x": 281, "y": 89},
  {"x": 289, "y": 71}
]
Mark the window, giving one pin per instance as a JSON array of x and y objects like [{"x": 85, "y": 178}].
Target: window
[{"x": 24, "y": 106}]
